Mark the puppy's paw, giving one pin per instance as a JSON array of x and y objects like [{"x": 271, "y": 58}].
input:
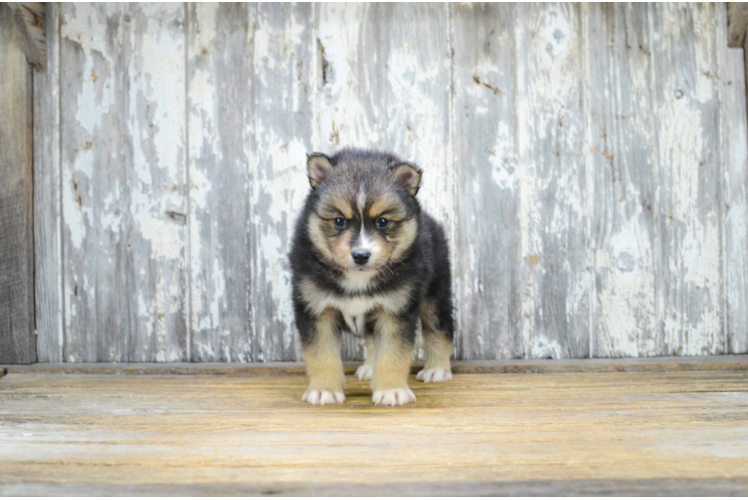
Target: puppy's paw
[
  {"x": 365, "y": 372},
  {"x": 317, "y": 397},
  {"x": 393, "y": 397},
  {"x": 434, "y": 375}
]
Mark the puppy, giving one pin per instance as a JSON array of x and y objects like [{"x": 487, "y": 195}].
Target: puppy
[{"x": 366, "y": 258}]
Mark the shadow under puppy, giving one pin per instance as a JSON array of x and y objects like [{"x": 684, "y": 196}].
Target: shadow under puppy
[{"x": 366, "y": 258}]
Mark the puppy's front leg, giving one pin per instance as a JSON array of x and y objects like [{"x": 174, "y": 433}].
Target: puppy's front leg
[
  {"x": 324, "y": 367},
  {"x": 394, "y": 338}
]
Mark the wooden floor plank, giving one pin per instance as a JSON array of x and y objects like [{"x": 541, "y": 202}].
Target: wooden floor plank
[
  {"x": 657, "y": 364},
  {"x": 614, "y": 432}
]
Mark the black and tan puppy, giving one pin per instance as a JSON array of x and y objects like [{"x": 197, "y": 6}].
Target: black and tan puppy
[{"x": 366, "y": 258}]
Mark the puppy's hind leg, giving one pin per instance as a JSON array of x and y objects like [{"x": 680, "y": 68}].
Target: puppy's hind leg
[
  {"x": 437, "y": 337},
  {"x": 324, "y": 366},
  {"x": 366, "y": 371}
]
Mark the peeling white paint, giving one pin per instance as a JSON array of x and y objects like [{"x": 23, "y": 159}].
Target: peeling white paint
[
  {"x": 735, "y": 194},
  {"x": 543, "y": 348},
  {"x": 574, "y": 189},
  {"x": 552, "y": 215},
  {"x": 691, "y": 283}
]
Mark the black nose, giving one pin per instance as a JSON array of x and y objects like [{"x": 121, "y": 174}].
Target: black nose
[{"x": 361, "y": 256}]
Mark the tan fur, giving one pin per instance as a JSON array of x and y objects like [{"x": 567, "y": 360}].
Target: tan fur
[
  {"x": 393, "y": 355},
  {"x": 341, "y": 249},
  {"x": 388, "y": 204},
  {"x": 336, "y": 207},
  {"x": 318, "y": 237},
  {"x": 324, "y": 366},
  {"x": 438, "y": 346},
  {"x": 407, "y": 235}
]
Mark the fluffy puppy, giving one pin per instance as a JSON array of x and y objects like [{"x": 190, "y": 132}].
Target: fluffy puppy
[{"x": 366, "y": 258}]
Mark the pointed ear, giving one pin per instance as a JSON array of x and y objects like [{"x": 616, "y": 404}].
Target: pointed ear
[
  {"x": 317, "y": 166},
  {"x": 409, "y": 177}
]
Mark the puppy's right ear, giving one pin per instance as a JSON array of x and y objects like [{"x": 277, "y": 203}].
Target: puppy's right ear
[{"x": 318, "y": 166}]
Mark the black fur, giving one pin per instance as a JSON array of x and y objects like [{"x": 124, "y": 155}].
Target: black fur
[{"x": 425, "y": 265}]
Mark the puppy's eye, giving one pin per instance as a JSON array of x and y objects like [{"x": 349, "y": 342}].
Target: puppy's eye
[
  {"x": 381, "y": 222},
  {"x": 340, "y": 222}
]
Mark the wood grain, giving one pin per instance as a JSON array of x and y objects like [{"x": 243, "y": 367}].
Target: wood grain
[
  {"x": 47, "y": 200},
  {"x": 94, "y": 149},
  {"x": 124, "y": 200},
  {"x": 221, "y": 115},
  {"x": 487, "y": 227},
  {"x": 737, "y": 21},
  {"x": 155, "y": 178},
  {"x": 685, "y": 93},
  {"x": 505, "y": 432},
  {"x": 621, "y": 158},
  {"x": 17, "y": 339},
  {"x": 735, "y": 201},
  {"x": 30, "y": 19},
  {"x": 541, "y": 487},
  {"x": 553, "y": 210},
  {"x": 599, "y": 365}
]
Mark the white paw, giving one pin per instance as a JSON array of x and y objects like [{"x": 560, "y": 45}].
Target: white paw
[
  {"x": 393, "y": 397},
  {"x": 365, "y": 372},
  {"x": 322, "y": 397},
  {"x": 434, "y": 375}
]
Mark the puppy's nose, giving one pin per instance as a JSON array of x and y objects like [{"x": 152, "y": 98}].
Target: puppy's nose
[{"x": 360, "y": 256}]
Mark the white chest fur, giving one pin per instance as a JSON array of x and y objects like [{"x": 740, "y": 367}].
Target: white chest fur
[{"x": 354, "y": 307}]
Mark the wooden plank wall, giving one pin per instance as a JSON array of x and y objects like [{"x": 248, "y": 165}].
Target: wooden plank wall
[
  {"x": 17, "y": 333},
  {"x": 47, "y": 196},
  {"x": 588, "y": 162}
]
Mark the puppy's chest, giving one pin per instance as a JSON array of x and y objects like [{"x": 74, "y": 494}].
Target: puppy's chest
[
  {"x": 354, "y": 312},
  {"x": 354, "y": 307}
]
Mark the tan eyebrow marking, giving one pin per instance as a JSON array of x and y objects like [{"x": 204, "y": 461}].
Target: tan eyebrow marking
[
  {"x": 346, "y": 210},
  {"x": 379, "y": 207},
  {"x": 337, "y": 207}
]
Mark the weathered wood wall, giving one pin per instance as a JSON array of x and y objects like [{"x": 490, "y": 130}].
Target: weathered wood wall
[
  {"x": 17, "y": 339},
  {"x": 588, "y": 162}
]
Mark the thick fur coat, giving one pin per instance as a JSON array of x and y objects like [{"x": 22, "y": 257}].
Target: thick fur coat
[{"x": 365, "y": 257}]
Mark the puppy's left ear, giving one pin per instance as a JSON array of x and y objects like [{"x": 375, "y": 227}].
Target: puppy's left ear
[
  {"x": 318, "y": 166},
  {"x": 409, "y": 177}
]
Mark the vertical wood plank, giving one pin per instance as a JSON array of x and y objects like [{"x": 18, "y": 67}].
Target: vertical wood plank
[
  {"x": 735, "y": 197},
  {"x": 282, "y": 87},
  {"x": 47, "y": 208},
  {"x": 553, "y": 191},
  {"x": 385, "y": 84},
  {"x": 93, "y": 182},
  {"x": 17, "y": 340},
  {"x": 487, "y": 257},
  {"x": 221, "y": 118},
  {"x": 622, "y": 155},
  {"x": 30, "y": 18},
  {"x": 687, "y": 121},
  {"x": 155, "y": 154}
]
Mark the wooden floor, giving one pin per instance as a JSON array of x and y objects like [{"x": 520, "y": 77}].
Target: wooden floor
[{"x": 651, "y": 427}]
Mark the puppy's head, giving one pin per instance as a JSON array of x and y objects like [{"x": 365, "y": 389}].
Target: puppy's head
[{"x": 365, "y": 212}]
